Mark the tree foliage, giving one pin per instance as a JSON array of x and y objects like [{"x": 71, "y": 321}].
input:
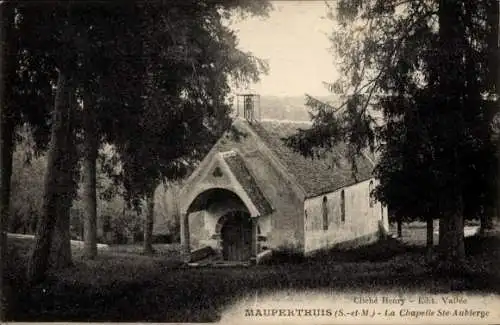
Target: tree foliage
[
  {"x": 182, "y": 96},
  {"x": 426, "y": 67},
  {"x": 188, "y": 58},
  {"x": 153, "y": 79}
]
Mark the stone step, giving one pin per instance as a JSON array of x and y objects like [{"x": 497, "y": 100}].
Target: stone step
[{"x": 219, "y": 264}]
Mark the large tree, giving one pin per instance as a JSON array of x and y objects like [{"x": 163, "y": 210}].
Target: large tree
[
  {"x": 25, "y": 91},
  {"x": 116, "y": 67},
  {"x": 54, "y": 52},
  {"x": 53, "y": 32},
  {"x": 105, "y": 28},
  {"x": 424, "y": 65},
  {"x": 6, "y": 54},
  {"x": 189, "y": 58}
]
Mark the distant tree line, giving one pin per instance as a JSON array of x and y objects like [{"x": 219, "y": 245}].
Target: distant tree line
[{"x": 116, "y": 222}]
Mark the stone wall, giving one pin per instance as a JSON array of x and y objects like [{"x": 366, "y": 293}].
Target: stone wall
[
  {"x": 361, "y": 220},
  {"x": 285, "y": 224}
]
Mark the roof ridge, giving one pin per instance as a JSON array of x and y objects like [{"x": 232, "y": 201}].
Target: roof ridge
[{"x": 249, "y": 183}]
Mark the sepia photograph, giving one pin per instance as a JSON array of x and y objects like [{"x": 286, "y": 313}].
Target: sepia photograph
[{"x": 250, "y": 161}]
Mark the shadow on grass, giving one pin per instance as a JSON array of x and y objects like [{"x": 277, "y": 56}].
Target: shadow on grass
[{"x": 379, "y": 251}]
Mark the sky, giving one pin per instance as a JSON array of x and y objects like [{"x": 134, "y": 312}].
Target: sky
[{"x": 294, "y": 41}]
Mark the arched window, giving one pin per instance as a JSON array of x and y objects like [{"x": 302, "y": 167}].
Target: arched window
[
  {"x": 370, "y": 196},
  {"x": 325, "y": 213},
  {"x": 342, "y": 206}
]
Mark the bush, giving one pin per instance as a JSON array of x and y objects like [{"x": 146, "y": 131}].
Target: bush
[
  {"x": 126, "y": 227},
  {"x": 174, "y": 230},
  {"x": 286, "y": 255}
]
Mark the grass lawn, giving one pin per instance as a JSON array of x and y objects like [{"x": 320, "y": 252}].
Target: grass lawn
[{"x": 122, "y": 285}]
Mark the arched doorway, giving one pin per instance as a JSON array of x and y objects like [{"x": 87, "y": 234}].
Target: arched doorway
[
  {"x": 236, "y": 236},
  {"x": 223, "y": 221}
]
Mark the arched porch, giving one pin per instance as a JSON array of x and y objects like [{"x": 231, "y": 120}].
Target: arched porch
[{"x": 232, "y": 225}]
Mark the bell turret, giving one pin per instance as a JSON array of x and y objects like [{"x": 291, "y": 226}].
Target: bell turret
[{"x": 250, "y": 104}]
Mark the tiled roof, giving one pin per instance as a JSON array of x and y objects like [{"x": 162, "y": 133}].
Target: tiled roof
[
  {"x": 242, "y": 174},
  {"x": 316, "y": 176}
]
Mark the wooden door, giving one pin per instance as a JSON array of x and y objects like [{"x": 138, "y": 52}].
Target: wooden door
[{"x": 237, "y": 237}]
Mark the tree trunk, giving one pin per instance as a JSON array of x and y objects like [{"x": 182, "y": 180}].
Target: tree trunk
[
  {"x": 451, "y": 236},
  {"x": 7, "y": 125},
  {"x": 55, "y": 185},
  {"x": 442, "y": 230},
  {"x": 400, "y": 226},
  {"x": 497, "y": 88},
  {"x": 451, "y": 41},
  {"x": 486, "y": 219},
  {"x": 61, "y": 249},
  {"x": 430, "y": 236},
  {"x": 493, "y": 50},
  {"x": 452, "y": 245},
  {"x": 89, "y": 180},
  {"x": 8, "y": 69},
  {"x": 148, "y": 224},
  {"x": 60, "y": 255},
  {"x": 494, "y": 77},
  {"x": 497, "y": 84}
]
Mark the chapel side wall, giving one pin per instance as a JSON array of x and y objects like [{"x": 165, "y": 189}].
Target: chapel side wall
[{"x": 361, "y": 224}]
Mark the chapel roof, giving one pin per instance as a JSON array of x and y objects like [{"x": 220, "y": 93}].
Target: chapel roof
[
  {"x": 247, "y": 181},
  {"x": 315, "y": 175}
]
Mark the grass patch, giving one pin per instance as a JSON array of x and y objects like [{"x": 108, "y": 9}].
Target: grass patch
[
  {"x": 123, "y": 285},
  {"x": 379, "y": 251}
]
